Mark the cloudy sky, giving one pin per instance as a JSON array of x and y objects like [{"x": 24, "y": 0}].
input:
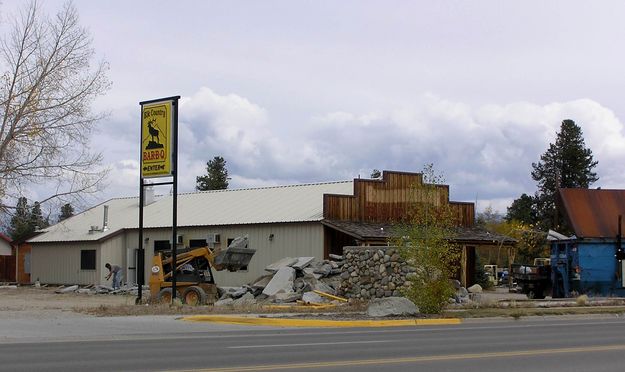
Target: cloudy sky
[{"x": 307, "y": 91}]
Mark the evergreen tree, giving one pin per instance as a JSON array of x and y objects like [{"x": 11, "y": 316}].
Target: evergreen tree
[
  {"x": 66, "y": 212},
  {"x": 21, "y": 226},
  {"x": 523, "y": 210},
  {"x": 37, "y": 220},
  {"x": 216, "y": 177},
  {"x": 566, "y": 164}
]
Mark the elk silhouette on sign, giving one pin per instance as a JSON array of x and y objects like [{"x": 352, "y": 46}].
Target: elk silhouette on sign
[
  {"x": 155, "y": 141},
  {"x": 153, "y": 131}
]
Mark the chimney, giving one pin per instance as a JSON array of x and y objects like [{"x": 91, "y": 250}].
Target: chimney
[{"x": 105, "y": 223}]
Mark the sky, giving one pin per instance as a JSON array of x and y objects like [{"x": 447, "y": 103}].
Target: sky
[{"x": 309, "y": 91}]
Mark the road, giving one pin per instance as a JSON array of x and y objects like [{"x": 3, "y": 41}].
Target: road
[{"x": 553, "y": 344}]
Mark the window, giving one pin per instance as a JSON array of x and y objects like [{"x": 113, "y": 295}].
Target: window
[
  {"x": 197, "y": 243},
  {"x": 161, "y": 245},
  {"x": 87, "y": 259}
]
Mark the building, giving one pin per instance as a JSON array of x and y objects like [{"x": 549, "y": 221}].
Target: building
[
  {"x": 7, "y": 259},
  {"x": 586, "y": 262},
  {"x": 284, "y": 221}
]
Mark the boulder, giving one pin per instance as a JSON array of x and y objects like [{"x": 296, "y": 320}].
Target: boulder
[
  {"x": 462, "y": 292},
  {"x": 475, "y": 288},
  {"x": 391, "y": 306},
  {"x": 282, "y": 282}
]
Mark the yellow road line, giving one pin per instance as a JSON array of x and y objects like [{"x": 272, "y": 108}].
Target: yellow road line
[
  {"x": 430, "y": 358},
  {"x": 284, "y": 322}
]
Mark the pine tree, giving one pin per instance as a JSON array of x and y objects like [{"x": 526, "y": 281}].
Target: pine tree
[
  {"x": 216, "y": 177},
  {"x": 523, "y": 210},
  {"x": 566, "y": 164},
  {"x": 37, "y": 221},
  {"x": 20, "y": 221},
  {"x": 66, "y": 212}
]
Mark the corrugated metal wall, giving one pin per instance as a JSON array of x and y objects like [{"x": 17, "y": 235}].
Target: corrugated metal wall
[
  {"x": 60, "y": 263},
  {"x": 112, "y": 251},
  {"x": 289, "y": 240}
]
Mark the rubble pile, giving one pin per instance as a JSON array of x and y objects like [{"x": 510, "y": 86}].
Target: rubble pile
[
  {"x": 289, "y": 280},
  {"x": 102, "y": 289},
  {"x": 374, "y": 272}
]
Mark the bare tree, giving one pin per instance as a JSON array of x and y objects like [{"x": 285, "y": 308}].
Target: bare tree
[{"x": 47, "y": 86}]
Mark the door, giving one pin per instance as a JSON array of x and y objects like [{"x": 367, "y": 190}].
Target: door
[{"x": 131, "y": 260}]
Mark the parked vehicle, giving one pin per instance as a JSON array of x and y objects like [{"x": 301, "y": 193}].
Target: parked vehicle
[
  {"x": 534, "y": 280},
  {"x": 193, "y": 268}
]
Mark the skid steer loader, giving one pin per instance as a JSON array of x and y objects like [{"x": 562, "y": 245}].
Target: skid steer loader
[{"x": 195, "y": 283}]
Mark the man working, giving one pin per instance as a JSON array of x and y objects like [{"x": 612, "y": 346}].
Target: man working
[{"x": 116, "y": 272}]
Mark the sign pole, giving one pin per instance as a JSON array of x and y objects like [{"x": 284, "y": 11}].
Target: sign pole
[
  {"x": 140, "y": 252},
  {"x": 159, "y": 158},
  {"x": 174, "y": 221}
]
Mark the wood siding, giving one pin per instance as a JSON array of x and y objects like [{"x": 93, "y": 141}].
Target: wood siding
[
  {"x": 23, "y": 253},
  {"x": 389, "y": 200}
]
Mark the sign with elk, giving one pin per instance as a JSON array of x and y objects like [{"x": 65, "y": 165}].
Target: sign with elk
[{"x": 156, "y": 131}]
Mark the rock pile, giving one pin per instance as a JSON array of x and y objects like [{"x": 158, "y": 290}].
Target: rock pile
[
  {"x": 288, "y": 280},
  {"x": 374, "y": 272}
]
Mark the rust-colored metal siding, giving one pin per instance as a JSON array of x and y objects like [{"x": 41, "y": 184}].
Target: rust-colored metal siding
[
  {"x": 593, "y": 213},
  {"x": 389, "y": 200}
]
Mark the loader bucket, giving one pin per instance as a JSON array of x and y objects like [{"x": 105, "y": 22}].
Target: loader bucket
[{"x": 235, "y": 257}]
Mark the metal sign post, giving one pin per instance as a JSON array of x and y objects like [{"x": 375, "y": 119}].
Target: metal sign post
[{"x": 159, "y": 158}]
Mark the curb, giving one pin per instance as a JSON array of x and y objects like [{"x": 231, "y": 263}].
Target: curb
[{"x": 283, "y": 322}]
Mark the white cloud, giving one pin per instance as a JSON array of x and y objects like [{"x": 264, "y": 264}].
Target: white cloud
[{"x": 484, "y": 152}]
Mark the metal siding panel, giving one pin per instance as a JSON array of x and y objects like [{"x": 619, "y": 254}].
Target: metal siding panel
[{"x": 60, "y": 264}]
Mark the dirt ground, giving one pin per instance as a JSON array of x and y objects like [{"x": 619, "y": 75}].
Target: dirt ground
[
  {"x": 26, "y": 298},
  {"x": 33, "y": 301}
]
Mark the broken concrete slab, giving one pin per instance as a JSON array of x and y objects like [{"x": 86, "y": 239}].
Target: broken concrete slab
[
  {"x": 391, "y": 306},
  {"x": 70, "y": 289},
  {"x": 324, "y": 269},
  {"x": 302, "y": 262},
  {"x": 245, "y": 300},
  {"x": 261, "y": 282},
  {"x": 224, "y": 302},
  {"x": 310, "y": 272},
  {"x": 312, "y": 297},
  {"x": 286, "y": 297},
  {"x": 282, "y": 282},
  {"x": 336, "y": 257},
  {"x": 285, "y": 262}
]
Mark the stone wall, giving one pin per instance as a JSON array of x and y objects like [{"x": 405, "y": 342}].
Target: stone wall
[{"x": 373, "y": 272}]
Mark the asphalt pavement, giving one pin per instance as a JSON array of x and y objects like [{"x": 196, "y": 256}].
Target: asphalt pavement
[{"x": 169, "y": 344}]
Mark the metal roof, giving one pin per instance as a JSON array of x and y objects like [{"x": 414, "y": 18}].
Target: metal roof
[
  {"x": 384, "y": 231},
  {"x": 593, "y": 213},
  {"x": 295, "y": 203}
]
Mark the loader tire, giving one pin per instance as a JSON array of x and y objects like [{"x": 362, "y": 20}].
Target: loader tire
[
  {"x": 164, "y": 296},
  {"x": 194, "y": 296}
]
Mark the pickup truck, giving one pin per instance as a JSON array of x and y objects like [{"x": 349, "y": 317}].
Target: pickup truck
[{"x": 534, "y": 280}]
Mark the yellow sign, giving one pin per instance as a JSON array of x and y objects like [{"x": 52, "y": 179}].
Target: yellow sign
[{"x": 156, "y": 142}]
